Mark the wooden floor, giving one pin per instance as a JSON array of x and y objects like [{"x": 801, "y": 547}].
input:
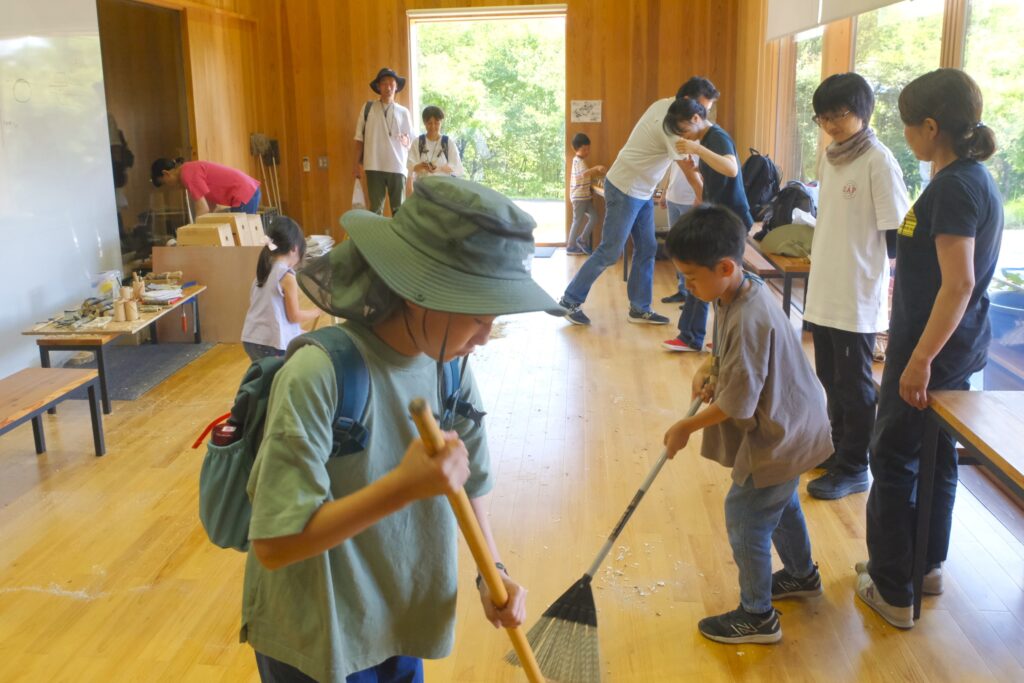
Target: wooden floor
[{"x": 105, "y": 574}]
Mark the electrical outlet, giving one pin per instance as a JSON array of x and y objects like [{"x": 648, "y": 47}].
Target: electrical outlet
[
  {"x": 305, "y": 164},
  {"x": 322, "y": 161}
]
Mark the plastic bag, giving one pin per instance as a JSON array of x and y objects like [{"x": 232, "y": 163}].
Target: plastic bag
[
  {"x": 107, "y": 284},
  {"x": 358, "y": 200}
]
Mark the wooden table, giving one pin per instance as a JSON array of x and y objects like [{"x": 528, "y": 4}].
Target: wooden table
[
  {"x": 56, "y": 338},
  {"x": 990, "y": 425},
  {"x": 26, "y": 395}
]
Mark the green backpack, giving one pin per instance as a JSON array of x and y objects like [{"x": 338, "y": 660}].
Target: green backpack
[{"x": 224, "y": 505}]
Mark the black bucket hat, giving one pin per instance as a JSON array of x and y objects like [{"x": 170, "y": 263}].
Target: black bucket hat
[{"x": 386, "y": 71}]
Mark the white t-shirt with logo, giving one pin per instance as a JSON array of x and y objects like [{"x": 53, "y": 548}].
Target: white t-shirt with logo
[
  {"x": 643, "y": 160},
  {"x": 385, "y": 135},
  {"x": 848, "y": 286},
  {"x": 679, "y": 190}
]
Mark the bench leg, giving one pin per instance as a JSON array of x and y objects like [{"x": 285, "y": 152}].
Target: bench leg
[
  {"x": 37, "y": 434},
  {"x": 97, "y": 422},
  {"x": 152, "y": 334},
  {"x": 44, "y": 361},
  {"x": 925, "y": 487},
  {"x": 195, "y": 319},
  {"x": 102, "y": 372},
  {"x": 787, "y": 293}
]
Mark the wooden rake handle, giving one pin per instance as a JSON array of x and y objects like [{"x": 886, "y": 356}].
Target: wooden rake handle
[{"x": 433, "y": 439}]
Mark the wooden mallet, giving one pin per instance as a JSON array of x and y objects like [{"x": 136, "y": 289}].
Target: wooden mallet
[{"x": 433, "y": 440}]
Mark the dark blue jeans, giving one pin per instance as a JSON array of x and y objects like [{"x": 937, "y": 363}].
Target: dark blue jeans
[
  {"x": 693, "y": 321},
  {"x": 251, "y": 206},
  {"x": 393, "y": 670},
  {"x": 895, "y": 463},
  {"x": 257, "y": 351}
]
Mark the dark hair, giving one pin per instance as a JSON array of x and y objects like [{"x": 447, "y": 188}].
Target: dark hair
[
  {"x": 706, "y": 235},
  {"x": 285, "y": 234},
  {"x": 953, "y": 100},
  {"x": 845, "y": 91},
  {"x": 156, "y": 171},
  {"x": 680, "y": 111},
  {"x": 579, "y": 140},
  {"x": 698, "y": 86},
  {"x": 433, "y": 112}
]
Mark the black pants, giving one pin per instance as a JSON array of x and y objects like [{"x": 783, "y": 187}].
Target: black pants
[
  {"x": 380, "y": 184},
  {"x": 843, "y": 362},
  {"x": 892, "y": 503}
]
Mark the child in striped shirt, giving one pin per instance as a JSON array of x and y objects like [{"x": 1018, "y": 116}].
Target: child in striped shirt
[{"x": 580, "y": 194}]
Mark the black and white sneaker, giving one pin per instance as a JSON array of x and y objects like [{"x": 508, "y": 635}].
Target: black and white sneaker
[
  {"x": 648, "y": 317},
  {"x": 785, "y": 585},
  {"x": 574, "y": 313},
  {"x": 739, "y": 626}
]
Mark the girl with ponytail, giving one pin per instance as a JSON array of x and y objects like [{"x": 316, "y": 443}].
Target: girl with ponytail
[
  {"x": 939, "y": 334},
  {"x": 274, "y": 314}
]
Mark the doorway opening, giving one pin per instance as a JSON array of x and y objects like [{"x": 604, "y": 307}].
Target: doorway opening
[
  {"x": 147, "y": 117},
  {"x": 499, "y": 78}
]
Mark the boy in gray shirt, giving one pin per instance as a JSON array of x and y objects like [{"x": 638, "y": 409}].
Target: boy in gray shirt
[{"x": 766, "y": 420}]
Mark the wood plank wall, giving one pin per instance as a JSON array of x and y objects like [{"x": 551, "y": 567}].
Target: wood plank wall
[{"x": 626, "y": 53}]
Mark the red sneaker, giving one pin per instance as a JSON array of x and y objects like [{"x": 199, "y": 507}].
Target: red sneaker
[{"x": 678, "y": 345}]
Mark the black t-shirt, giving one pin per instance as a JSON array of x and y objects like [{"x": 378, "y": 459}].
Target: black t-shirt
[
  {"x": 960, "y": 200},
  {"x": 720, "y": 189}
]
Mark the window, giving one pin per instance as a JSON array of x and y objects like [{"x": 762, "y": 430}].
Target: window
[
  {"x": 894, "y": 45},
  {"x": 808, "y": 76},
  {"x": 994, "y": 58}
]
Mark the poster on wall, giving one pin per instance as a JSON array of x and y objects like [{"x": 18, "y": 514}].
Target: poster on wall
[{"x": 585, "y": 111}]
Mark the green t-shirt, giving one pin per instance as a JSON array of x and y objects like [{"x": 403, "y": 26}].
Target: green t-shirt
[{"x": 389, "y": 590}]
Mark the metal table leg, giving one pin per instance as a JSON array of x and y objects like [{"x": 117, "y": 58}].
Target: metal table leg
[
  {"x": 97, "y": 422},
  {"x": 37, "y": 434}
]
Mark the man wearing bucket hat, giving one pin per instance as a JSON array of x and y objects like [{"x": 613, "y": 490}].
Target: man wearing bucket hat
[
  {"x": 383, "y": 135},
  {"x": 353, "y": 564}
]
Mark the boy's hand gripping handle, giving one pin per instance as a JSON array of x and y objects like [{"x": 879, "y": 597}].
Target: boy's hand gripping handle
[{"x": 433, "y": 440}]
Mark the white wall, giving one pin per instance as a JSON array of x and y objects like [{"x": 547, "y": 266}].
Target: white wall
[{"x": 58, "y": 224}]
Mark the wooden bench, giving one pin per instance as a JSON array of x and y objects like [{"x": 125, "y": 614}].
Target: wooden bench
[
  {"x": 26, "y": 395},
  {"x": 769, "y": 265},
  {"x": 94, "y": 343},
  {"x": 990, "y": 425}
]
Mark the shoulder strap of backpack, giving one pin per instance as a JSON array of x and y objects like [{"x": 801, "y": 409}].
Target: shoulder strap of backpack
[
  {"x": 353, "y": 380},
  {"x": 444, "y": 146},
  {"x": 366, "y": 110},
  {"x": 452, "y": 389},
  {"x": 423, "y": 144}
]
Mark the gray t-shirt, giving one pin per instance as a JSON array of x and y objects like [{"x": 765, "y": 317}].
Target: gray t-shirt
[
  {"x": 778, "y": 426},
  {"x": 391, "y": 589}
]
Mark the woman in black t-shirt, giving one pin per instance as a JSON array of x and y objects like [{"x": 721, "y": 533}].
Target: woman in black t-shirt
[{"x": 939, "y": 334}]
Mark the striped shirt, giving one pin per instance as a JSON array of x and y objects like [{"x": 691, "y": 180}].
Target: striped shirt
[{"x": 579, "y": 184}]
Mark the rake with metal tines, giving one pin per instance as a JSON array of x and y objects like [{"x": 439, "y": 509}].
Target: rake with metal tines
[{"x": 564, "y": 639}]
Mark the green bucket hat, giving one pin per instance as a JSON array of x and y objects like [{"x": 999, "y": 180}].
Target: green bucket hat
[{"x": 455, "y": 246}]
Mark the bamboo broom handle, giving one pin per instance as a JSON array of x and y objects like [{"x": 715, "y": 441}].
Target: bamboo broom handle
[{"x": 433, "y": 439}]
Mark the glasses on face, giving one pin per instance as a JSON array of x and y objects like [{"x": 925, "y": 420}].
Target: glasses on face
[{"x": 825, "y": 119}]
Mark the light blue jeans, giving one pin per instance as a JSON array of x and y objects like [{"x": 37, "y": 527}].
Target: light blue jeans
[
  {"x": 693, "y": 321},
  {"x": 623, "y": 216},
  {"x": 675, "y": 212},
  {"x": 757, "y": 518}
]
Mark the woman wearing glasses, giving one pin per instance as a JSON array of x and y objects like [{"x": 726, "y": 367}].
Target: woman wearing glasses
[{"x": 862, "y": 195}]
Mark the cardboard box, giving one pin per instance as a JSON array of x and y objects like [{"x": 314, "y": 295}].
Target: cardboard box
[
  {"x": 256, "y": 229},
  {"x": 206, "y": 235},
  {"x": 239, "y": 223}
]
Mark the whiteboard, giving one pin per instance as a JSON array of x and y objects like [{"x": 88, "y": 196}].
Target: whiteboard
[{"x": 58, "y": 221}]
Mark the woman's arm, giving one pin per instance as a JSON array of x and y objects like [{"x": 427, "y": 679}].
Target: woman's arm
[
  {"x": 295, "y": 313},
  {"x": 724, "y": 164},
  {"x": 514, "y": 612},
  {"x": 417, "y": 476},
  {"x": 956, "y": 264},
  {"x": 202, "y": 207}
]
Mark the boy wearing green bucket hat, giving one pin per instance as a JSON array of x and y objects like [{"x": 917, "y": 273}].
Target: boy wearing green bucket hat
[{"x": 352, "y": 572}]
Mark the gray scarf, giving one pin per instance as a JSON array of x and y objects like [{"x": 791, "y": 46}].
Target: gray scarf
[{"x": 842, "y": 153}]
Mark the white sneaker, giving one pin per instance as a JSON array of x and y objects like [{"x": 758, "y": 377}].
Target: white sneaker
[
  {"x": 900, "y": 617},
  {"x": 932, "y": 580}
]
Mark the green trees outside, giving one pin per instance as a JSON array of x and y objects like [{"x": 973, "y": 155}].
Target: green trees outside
[{"x": 501, "y": 85}]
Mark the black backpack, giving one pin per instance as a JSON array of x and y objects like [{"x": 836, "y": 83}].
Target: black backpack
[
  {"x": 780, "y": 209},
  {"x": 423, "y": 146},
  {"x": 761, "y": 179}
]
